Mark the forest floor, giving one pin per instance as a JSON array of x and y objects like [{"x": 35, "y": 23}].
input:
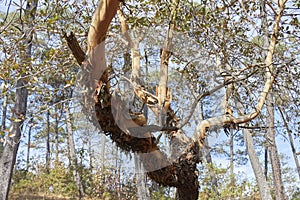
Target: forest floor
[{"x": 36, "y": 197}]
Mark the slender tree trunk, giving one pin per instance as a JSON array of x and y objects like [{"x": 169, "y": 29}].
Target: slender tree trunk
[
  {"x": 3, "y": 119},
  {"x": 4, "y": 109},
  {"x": 232, "y": 178},
  {"x": 48, "y": 153},
  {"x": 289, "y": 132},
  {"x": 102, "y": 158},
  {"x": 263, "y": 186},
  {"x": 262, "y": 183},
  {"x": 162, "y": 89},
  {"x": 266, "y": 162},
  {"x": 142, "y": 190},
  {"x": 273, "y": 152},
  {"x": 56, "y": 136},
  {"x": 74, "y": 165},
  {"x": 117, "y": 172},
  {"x": 9, "y": 154},
  {"x": 90, "y": 152},
  {"x": 207, "y": 153},
  {"x": 102, "y": 152},
  {"x": 28, "y": 145},
  {"x": 270, "y": 135}
]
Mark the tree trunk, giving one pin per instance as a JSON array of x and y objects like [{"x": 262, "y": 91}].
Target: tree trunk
[
  {"x": 48, "y": 153},
  {"x": 207, "y": 153},
  {"x": 266, "y": 162},
  {"x": 289, "y": 132},
  {"x": 270, "y": 135},
  {"x": 8, "y": 158},
  {"x": 263, "y": 186},
  {"x": 102, "y": 153},
  {"x": 232, "y": 178},
  {"x": 3, "y": 118},
  {"x": 162, "y": 91},
  {"x": 56, "y": 138},
  {"x": 272, "y": 147},
  {"x": 28, "y": 144},
  {"x": 181, "y": 174},
  {"x": 90, "y": 152},
  {"x": 4, "y": 109},
  {"x": 142, "y": 190},
  {"x": 261, "y": 181},
  {"x": 73, "y": 161},
  {"x": 9, "y": 154}
]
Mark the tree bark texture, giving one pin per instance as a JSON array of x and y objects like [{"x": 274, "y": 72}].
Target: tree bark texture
[{"x": 273, "y": 152}]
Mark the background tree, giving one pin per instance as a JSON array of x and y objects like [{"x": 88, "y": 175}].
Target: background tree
[{"x": 10, "y": 150}]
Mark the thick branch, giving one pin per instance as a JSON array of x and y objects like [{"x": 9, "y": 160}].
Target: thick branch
[
  {"x": 164, "y": 63},
  {"x": 103, "y": 15},
  {"x": 134, "y": 48},
  {"x": 75, "y": 47}
]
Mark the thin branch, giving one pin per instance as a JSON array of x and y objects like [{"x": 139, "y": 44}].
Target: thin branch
[
  {"x": 151, "y": 128},
  {"x": 207, "y": 93},
  {"x": 7, "y": 11},
  {"x": 9, "y": 23},
  {"x": 272, "y": 8}
]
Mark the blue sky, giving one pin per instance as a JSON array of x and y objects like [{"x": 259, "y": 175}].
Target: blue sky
[{"x": 4, "y": 6}]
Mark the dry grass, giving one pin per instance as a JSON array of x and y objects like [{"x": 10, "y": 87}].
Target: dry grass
[{"x": 37, "y": 197}]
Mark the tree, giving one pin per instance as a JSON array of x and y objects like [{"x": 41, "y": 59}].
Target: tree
[
  {"x": 114, "y": 119},
  {"x": 164, "y": 59},
  {"x": 72, "y": 153},
  {"x": 9, "y": 154}
]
